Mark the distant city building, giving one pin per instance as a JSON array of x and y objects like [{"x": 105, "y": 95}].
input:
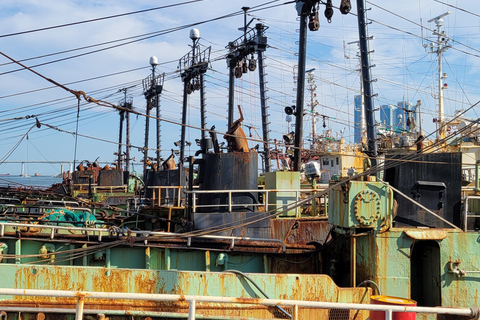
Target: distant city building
[
  {"x": 386, "y": 116},
  {"x": 401, "y": 115},
  {"x": 394, "y": 118},
  {"x": 357, "y": 118}
]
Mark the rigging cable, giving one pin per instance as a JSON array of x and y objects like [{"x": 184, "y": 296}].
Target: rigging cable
[{"x": 76, "y": 135}]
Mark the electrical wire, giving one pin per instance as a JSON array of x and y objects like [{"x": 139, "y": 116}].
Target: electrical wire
[{"x": 98, "y": 19}]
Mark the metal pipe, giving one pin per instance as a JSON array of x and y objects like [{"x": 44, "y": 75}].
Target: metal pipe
[
  {"x": 259, "y": 289},
  {"x": 297, "y": 154},
  {"x": 353, "y": 260},
  {"x": 159, "y": 123},
  {"x": 134, "y": 234},
  {"x": 191, "y": 309},
  {"x": 127, "y": 142},
  {"x": 263, "y": 101},
  {"x": 231, "y": 94},
  {"x": 107, "y": 262},
  {"x": 370, "y": 282},
  {"x": 203, "y": 117},
  {"x": 367, "y": 81},
  {"x": 135, "y": 313},
  {"x": 182, "y": 135},
  {"x": 18, "y": 251},
  {"x": 216, "y": 299},
  {"x": 80, "y": 303},
  {"x": 119, "y": 161},
  {"x": 145, "y": 148}
]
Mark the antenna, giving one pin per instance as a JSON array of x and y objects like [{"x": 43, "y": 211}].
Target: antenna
[
  {"x": 439, "y": 17},
  {"x": 425, "y": 45},
  {"x": 439, "y": 48}
]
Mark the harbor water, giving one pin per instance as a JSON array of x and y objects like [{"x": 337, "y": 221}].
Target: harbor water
[{"x": 35, "y": 181}]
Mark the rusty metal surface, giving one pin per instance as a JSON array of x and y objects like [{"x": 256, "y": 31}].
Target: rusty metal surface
[
  {"x": 429, "y": 234},
  {"x": 296, "y": 233},
  {"x": 110, "y": 177},
  {"x": 228, "y": 171},
  {"x": 277, "y": 286}
]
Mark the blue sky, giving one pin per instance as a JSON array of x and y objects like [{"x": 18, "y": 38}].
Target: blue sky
[{"x": 403, "y": 68}]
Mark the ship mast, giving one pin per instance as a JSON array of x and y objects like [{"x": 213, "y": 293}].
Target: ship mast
[
  {"x": 439, "y": 48},
  {"x": 367, "y": 80}
]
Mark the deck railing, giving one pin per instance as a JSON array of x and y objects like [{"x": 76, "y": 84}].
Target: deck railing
[{"x": 192, "y": 301}]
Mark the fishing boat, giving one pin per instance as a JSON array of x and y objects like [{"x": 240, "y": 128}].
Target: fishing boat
[{"x": 206, "y": 237}]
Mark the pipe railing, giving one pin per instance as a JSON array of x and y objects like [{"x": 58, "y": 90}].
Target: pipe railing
[
  {"x": 192, "y": 300},
  {"x": 53, "y": 229},
  {"x": 466, "y": 214},
  {"x": 294, "y": 195}
]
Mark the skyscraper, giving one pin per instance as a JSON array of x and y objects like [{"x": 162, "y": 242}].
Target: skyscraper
[
  {"x": 357, "y": 118},
  {"x": 386, "y": 116}
]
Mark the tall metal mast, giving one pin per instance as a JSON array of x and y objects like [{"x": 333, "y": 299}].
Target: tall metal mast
[
  {"x": 126, "y": 103},
  {"x": 261, "y": 45},
  {"x": 367, "y": 80},
  {"x": 313, "y": 103},
  {"x": 152, "y": 87},
  {"x": 297, "y": 153},
  {"x": 119, "y": 152},
  {"x": 439, "y": 48},
  {"x": 307, "y": 9},
  {"x": 252, "y": 41},
  {"x": 192, "y": 67}
]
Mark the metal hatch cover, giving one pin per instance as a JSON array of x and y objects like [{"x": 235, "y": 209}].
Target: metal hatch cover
[{"x": 427, "y": 234}]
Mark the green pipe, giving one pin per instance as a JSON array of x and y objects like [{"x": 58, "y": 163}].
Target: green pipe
[{"x": 107, "y": 262}]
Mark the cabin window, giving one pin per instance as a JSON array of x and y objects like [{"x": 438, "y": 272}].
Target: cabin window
[
  {"x": 338, "y": 161},
  {"x": 331, "y": 163},
  {"x": 325, "y": 162}
]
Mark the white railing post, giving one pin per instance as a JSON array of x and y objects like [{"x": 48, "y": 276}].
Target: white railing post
[
  {"x": 388, "y": 315},
  {"x": 194, "y": 201},
  {"x": 295, "y": 312},
  {"x": 230, "y": 201},
  {"x": 79, "y": 311},
  {"x": 191, "y": 309}
]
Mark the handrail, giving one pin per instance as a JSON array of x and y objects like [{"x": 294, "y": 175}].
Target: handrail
[
  {"x": 80, "y": 296},
  {"x": 230, "y": 205},
  {"x": 465, "y": 212},
  {"x": 133, "y": 233}
]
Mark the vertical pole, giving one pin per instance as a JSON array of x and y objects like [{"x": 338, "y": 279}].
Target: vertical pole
[
  {"x": 367, "y": 80},
  {"x": 159, "y": 128},
  {"x": 79, "y": 311},
  {"x": 191, "y": 309},
  {"x": 441, "y": 128},
  {"x": 297, "y": 161},
  {"x": 353, "y": 261},
  {"x": 127, "y": 151},
  {"x": 182, "y": 135},
  {"x": 157, "y": 114},
  {"x": 311, "y": 82},
  {"x": 263, "y": 101},
  {"x": 145, "y": 148},
  {"x": 76, "y": 136},
  {"x": 122, "y": 115},
  {"x": 231, "y": 93},
  {"x": 203, "y": 122}
]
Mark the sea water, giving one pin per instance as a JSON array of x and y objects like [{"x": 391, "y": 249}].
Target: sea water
[{"x": 41, "y": 181}]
